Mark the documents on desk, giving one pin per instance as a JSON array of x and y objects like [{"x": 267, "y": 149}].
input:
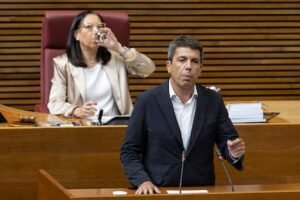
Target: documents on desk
[
  {"x": 246, "y": 112},
  {"x": 187, "y": 192},
  {"x": 57, "y": 124}
]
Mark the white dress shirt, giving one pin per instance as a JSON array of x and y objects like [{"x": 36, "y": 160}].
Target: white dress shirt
[{"x": 184, "y": 113}]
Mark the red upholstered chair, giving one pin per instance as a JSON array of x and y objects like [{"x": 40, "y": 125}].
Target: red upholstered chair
[{"x": 55, "y": 30}]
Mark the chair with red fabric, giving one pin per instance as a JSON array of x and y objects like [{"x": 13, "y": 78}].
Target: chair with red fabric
[{"x": 55, "y": 29}]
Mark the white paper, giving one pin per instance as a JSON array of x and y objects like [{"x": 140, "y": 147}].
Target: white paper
[
  {"x": 119, "y": 193},
  {"x": 187, "y": 192},
  {"x": 245, "y": 112}
]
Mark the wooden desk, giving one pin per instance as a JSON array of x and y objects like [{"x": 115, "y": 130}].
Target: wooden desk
[
  {"x": 50, "y": 189},
  {"x": 289, "y": 113},
  {"x": 88, "y": 157},
  {"x": 12, "y": 115}
]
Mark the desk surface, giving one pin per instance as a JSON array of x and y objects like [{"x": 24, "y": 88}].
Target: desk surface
[
  {"x": 50, "y": 188},
  {"x": 108, "y": 192},
  {"x": 289, "y": 113},
  {"x": 12, "y": 115}
]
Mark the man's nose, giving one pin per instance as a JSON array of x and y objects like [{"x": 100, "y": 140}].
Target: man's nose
[{"x": 188, "y": 65}]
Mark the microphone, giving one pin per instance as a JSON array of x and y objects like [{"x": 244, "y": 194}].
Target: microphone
[
  {"x": 100, "y": 116},
  {"x": 181, "y": 171},
  {"x": 222, "y": 161}
]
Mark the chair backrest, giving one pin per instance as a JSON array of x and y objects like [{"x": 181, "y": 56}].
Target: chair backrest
[{"x": 55, "y": 30}]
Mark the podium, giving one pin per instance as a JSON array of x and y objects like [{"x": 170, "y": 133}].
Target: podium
[
  {"x": 88, "y": 157},
  {"x": 50, "y": 189}
]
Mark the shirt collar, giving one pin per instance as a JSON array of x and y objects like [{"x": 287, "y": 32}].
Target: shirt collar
[{"x": 173, "y": 94}]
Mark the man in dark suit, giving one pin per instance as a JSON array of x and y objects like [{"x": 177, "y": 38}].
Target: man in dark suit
[{"x": 179, "y": 121}]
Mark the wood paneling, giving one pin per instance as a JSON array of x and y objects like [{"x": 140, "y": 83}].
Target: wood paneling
[
  {"x": 88, "y": 157},
  {"x": 252, "y": 47},
  {"x": 50, "y": 188}
]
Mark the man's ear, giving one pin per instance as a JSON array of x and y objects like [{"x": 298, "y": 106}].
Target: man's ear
[{"x": 169, "y": 65}]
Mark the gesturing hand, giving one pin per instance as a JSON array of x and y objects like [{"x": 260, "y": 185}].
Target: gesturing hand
[{"x": 236, "y": 147}]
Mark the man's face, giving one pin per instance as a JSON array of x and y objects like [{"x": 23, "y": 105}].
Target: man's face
[{"x": 185, "y": 67}]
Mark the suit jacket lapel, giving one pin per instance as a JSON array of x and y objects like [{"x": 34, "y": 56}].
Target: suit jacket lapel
[
  {"x": 198, "y": 119},
  {"x": 164, "y": 101},
  {"x": 78, "y": 75}
]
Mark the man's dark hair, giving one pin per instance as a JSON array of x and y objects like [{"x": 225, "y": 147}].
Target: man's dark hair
[
  {"x": 73, "y": 49},
  {"x": 184, "y": 41}
]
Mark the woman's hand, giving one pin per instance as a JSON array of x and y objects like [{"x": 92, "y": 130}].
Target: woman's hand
[
  {"x": 88, "y": 109},
  {"x": 110, "y": 41}
]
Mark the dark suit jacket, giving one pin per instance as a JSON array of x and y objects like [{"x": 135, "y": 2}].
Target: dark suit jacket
[{"x": 152, "y": 150}]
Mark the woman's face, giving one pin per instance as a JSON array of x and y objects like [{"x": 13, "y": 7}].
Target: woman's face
[{"x": 86, "y": 33}]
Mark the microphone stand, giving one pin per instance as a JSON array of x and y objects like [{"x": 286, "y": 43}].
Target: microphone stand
[
  {"x": 222, "y": 161},
  {"x": 181, "y": 172}
]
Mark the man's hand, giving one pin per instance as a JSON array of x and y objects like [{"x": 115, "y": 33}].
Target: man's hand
[
  {"x": 147, "y": 188},
  {"x": 236, "y": 147}
]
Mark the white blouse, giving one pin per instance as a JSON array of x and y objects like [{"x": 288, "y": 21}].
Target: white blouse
[{"x": 98, "y": 88}]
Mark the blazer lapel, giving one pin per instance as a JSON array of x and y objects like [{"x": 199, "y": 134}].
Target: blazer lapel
[
  {"x": 198, "y": 119},
  {"x": 164, "y": 101},
  {"x": 78, "y": 75}
]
